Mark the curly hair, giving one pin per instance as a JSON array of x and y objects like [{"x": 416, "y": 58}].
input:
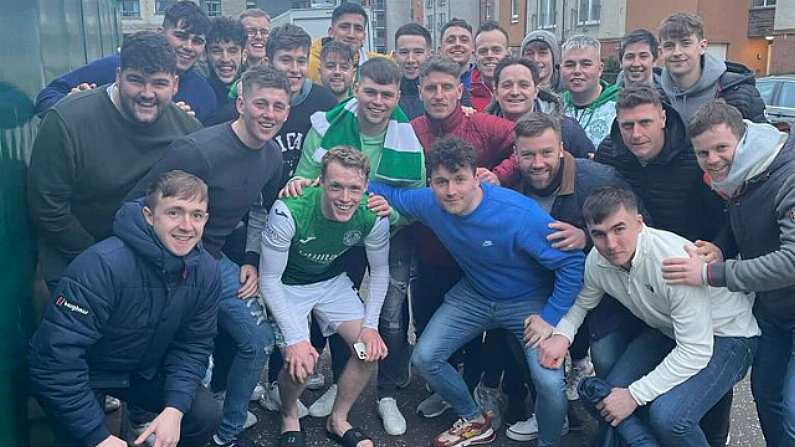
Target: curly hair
[{"x": 148, "y": 52}]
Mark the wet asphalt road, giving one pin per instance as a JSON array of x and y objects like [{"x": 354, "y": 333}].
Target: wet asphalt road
[{"x": 745, "y": 426}]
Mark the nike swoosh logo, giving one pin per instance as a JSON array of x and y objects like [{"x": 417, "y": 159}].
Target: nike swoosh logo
[
  {"x": 307, "y": 240},
  {"x": 281, "y": 213}
]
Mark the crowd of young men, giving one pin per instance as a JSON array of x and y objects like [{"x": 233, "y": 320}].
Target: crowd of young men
[{"x": 230, "y": 225}]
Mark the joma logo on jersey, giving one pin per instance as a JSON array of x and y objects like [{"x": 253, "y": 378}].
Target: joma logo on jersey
[{"x": 62, "y": 302}]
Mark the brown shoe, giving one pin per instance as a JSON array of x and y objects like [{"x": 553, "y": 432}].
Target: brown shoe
[{"x": 465, "y": 433}]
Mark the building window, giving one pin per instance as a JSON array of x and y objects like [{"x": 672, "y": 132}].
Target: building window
[
  {"x": 251, "y": 4},
  {"x": 442, "y": 19},
  {"x": 380, "y": 18},
  {"x": 130, "y": 8},
  {"x": 514, "y": 11},
  {"x": 762, "y": 3},
  {"x": 161, "y": 6},
  {"x": 589, "y": 12},
  {"x": 546, "y": 13},
  {"x": 213, "y": 7}
]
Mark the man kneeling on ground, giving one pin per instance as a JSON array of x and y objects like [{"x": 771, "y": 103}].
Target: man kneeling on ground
[
  {"x": 700, "y": 340},
  {"x": 134, "y": 316},
  {"x": 302, "y": 272}
]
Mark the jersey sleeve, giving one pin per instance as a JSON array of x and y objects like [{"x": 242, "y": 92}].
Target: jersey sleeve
[
  {"x": 377, "y": 247},
  {"x": 276, "y": 240}
]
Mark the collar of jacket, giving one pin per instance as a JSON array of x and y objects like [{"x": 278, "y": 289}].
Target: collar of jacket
[
  {"x": 676, "y": 140},
  {"x": 609, "y": 93},
  {"x": 130, "y": 226},
  {"x": 567, "y": 180},
  {"x": 478, "y": 84},
  {"x": 410, "y": 87},
  {"x": 447, "y": 125}
]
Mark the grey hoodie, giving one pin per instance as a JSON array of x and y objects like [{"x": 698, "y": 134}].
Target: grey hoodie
[
  {"x": 755, "y": 152},
  {"x": 556, "y": 83},
  {"x": 686, "y": 102}
]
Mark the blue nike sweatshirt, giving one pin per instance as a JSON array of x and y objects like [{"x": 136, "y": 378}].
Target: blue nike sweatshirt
[
  {"x": 193, "y": 87},
  {"x": 501, "y": 246}
]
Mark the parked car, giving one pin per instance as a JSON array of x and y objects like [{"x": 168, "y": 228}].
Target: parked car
[{"x": 778, "y": 92}]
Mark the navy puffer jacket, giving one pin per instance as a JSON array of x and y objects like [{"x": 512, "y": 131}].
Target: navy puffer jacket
[{"x": 124, "y": 307}]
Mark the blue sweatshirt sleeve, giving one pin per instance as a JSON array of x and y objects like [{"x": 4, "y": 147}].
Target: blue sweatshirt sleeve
[
  {"x": 567, "y": 265},
  {"x": 100, "y": 72},
  {"x": 413, "y": 203}
]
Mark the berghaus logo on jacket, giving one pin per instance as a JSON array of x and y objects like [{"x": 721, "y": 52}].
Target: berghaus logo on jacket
[{"x": 62, "y": 302}]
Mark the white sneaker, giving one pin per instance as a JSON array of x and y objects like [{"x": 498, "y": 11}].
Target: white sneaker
[
  {"x": 527, "y": 430},
  {"x": 111, "y": 404},
  {"x": 323, "y": 405},
  {"x": 432, "y": 406},
  {"x": 258, "y": 392},
  {"x": 271, "y": 401},
  {"x": 580, "y": 370},
  {"x": 394, "y": 422},
  {"x": 491, "y": 401},
  {"x": 251, "y": 420},
  {"x": 316, "y": 381}
]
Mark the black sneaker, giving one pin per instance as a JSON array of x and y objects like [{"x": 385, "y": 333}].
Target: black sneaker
[{"x": 241, "y": 441}]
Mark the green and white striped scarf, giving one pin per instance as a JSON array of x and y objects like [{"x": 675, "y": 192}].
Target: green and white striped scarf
[{"x": 402, "y": 156}]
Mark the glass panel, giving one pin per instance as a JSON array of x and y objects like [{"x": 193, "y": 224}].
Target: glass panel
[
  {"x": 130, "y": 8},
  {"x": 787, "y": 96},
  {"x": 162, "y": 5},
  {"x": 766, "y": 89}
]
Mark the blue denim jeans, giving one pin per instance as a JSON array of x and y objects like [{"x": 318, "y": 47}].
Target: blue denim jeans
[
  {"x": 673, "y": 418},
  {"x": 773, "y": 380},
  {"x": 465, "y": 314},
  {"x": 608, "y": 348},
  {"x": 392, "y": 322},
  {"x": 244, "y": 321}
]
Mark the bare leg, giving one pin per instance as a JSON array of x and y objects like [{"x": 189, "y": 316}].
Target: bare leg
[
  {"x": 289, "y": 391},
  {"x": 350, "y": 384}
]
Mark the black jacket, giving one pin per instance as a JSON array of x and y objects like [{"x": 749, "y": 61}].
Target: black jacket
[
  {"x": 410, "y": 101},
  {"x": 762, "y": 221},
  {"x": 126, "y": 306},
  {"x": 737, "y": 86},
  {"x": 671, "y": 186}
]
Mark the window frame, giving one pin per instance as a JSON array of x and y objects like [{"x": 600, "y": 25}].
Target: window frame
[
  {"x": 136, "y": 14},
  {"x": 548, "y": 20},
  {"x": 162, "y": 11},
  {"x": 588, "y": 19},
  {"x": 765, "y": 4},
  {"x": 515, "y": 10}
]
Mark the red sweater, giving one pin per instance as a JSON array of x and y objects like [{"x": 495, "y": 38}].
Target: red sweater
[
  {"x": 493, "y": 140},
  {"x": 480, "y": 91}
]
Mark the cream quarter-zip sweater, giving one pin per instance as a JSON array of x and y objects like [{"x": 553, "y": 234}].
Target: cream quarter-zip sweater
[{"x": 691, "y": 316}]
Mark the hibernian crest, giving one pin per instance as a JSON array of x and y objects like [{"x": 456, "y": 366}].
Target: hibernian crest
[{"x": 350, "y": 238}]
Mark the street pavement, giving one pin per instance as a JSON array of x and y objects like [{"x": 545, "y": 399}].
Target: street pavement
[{"x": 745, "y": 426}]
